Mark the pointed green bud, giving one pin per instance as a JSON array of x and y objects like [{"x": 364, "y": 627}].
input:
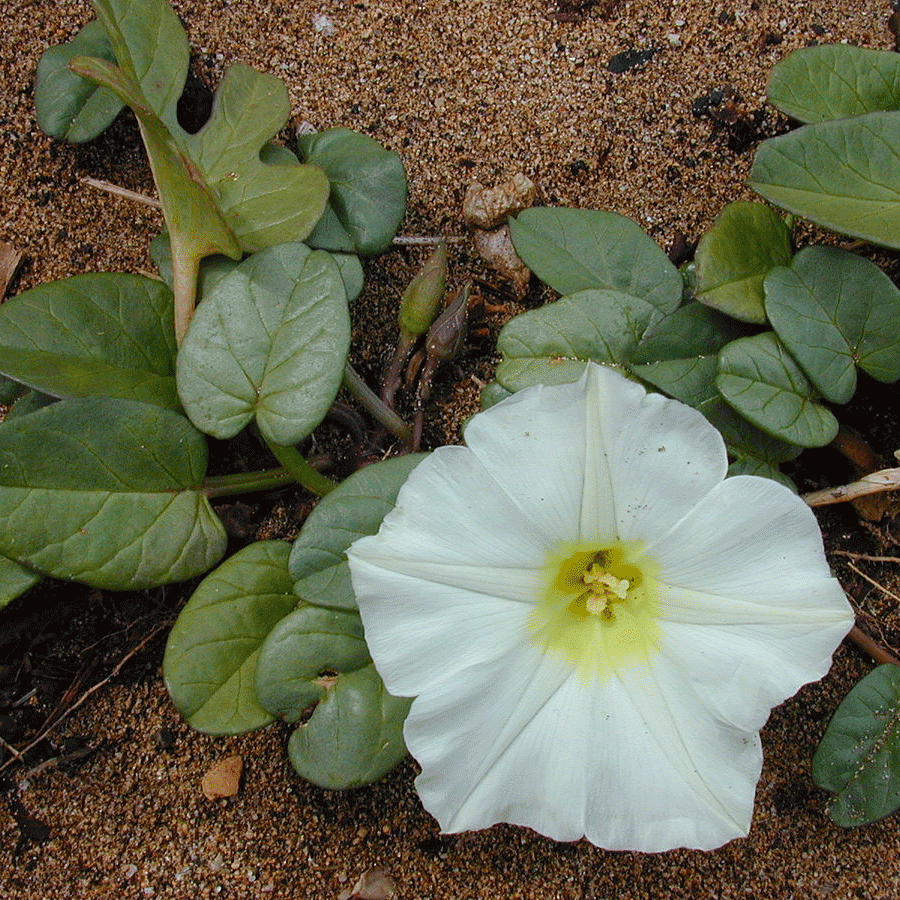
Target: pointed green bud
[{"x": 422, "y": 298}]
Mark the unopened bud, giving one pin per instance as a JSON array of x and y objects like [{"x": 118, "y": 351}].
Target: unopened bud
[{"x": 422, "y": 298}]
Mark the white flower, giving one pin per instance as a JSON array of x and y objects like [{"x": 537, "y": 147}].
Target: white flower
[{"x": 594, "y": 622}]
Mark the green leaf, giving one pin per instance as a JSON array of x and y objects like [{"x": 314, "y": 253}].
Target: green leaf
[
  {"x": 574, "y": 250},
  {"x": 760, "y": 379},
  {"x": 270, "y": 341},
  {"x": 745, "y": 242},
  {"x": 551, "y": 344},
  {"x": 859, "y": 757},
  {"x": 368, "y": 191},
  {"x": 303, "y": 645},
  {"x": 355, "y": 508},
  {"x": 106, "y": 334},
  {"x": 15, "y": 579},
  {"x": 67, "y": 106},
  {"x": 692, "y": 330},
  {"x": 760, "y": 468},
  {"x": 840, "y": 174},
  {"x": 151, "y": 49},
  {"x": 107, "y": 492},
  {"x": 493, "y": 393},
  {"x": 263, "y": 203},
  {"x": 834, "y": 311},
  {"x": 355, "y": 734},
  {"x": 835, "y": 81},
  {"x": 190, "y": 210},
  {"x": 693, "y": 381},
  {"x": 213, "y": 648}
]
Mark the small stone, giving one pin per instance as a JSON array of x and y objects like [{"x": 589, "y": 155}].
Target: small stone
[{"x": 224, "y": 778}]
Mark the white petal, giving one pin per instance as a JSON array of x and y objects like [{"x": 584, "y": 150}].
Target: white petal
[
  {"x": 451, "y": 510},
  {"x": 662, "y": 456},
  {"x": 420, "y": 632},
  {"x": 533, "y": 447},
  {"x": 633, "y": 763},
  {"x": 752, "y": 540}
]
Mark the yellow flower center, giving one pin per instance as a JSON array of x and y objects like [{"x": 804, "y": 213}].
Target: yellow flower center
[{"x": 599, "y": 607}]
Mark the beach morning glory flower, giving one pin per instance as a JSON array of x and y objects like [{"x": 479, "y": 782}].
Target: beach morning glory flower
[{"x": 593, "y": 620}]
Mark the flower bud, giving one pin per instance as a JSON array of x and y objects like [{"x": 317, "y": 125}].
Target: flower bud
[{"x": 422, "y": 298}]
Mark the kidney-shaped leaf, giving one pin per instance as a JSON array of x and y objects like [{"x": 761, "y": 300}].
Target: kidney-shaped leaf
[
  {"x": 575, "y": 250},
  {"x": 355, "y": 508},
  {"x": 106, "y": 492},
  {"x": 67, "y": 106},
  {"x": 761, "y": 380},
  {"x": 834, "y": 311},
  {"x": 213, "y": 648},
  {"x": 692, "y": 330},
  {"x": 270, "y": 341},
  {"x": 107, "y": 334},
  {"x": 368, "y": 191},
  {"x": 734, "y": 256},
  {"x": 859, "y": 757},
  {"x": 551, "y": 344},
  {"x": 838, "y": 174},
  {"x": 354, "y": 736},
  {"x": 835, "y": 81},
  {"x": 303, "y": 646},
  {"x": 263, "y": 203}
]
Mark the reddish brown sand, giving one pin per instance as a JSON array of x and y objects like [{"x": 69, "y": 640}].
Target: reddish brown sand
[{"x": 463, "y": 90}]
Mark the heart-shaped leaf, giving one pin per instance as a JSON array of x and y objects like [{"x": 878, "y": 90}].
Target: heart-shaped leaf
[
  {"x": 745, "y": 242},
  {"x": 859, "y": 757},
  {"x": 692, "y": 330},
  {"x": 761, "y": 380},
  {"x": 355, "y": 508},
  {"x": 355, "y": 734},
  {"x": 834, "y": 311},
  {"x": 263, "y": 203},
  {"x": 213, "y": 648},
  {"x": 835, "y": 81},
  {"x": 270, "y": 341},
  {"x": 300, "y": 648},
  {"x": 493, "y": 393},
  {"x": 837, "y": 174},
  {"x": 15, "y": 579},
  {"x": 574, "y": 250},
  {"x": 107, "y": 492},
  {"x": 551, "y": 344},
  {"x": 368, "y": 191},
  {"x": 107, "y": 334},
  {"x": 67, "y": 106}
]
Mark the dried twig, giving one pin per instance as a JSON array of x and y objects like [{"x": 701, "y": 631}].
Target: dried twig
[
  {"x": 872, "y": 647},
  {"x": 873, "y": 582},
  {"x": 111, "y": 188},
  {"x": 876, "y": 483},
  {"x": 87, "y": 694}
]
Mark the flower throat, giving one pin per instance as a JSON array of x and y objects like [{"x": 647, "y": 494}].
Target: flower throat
[{"x": 599, "y": 606}]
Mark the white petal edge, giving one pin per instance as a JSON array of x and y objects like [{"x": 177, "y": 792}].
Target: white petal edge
[{"x": 527, "y": 742}]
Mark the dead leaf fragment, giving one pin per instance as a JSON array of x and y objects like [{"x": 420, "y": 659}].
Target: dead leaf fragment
[
  {"x": 9, "y": 262},
  {"x": 223, "y": 779},
  {"x": 489, "y": 207},
  {"x": 373, "y": 884},
  {"x": 496, "y": 248}
]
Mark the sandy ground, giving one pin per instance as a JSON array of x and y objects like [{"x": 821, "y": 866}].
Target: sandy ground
[{"x": 464, "y": 91}]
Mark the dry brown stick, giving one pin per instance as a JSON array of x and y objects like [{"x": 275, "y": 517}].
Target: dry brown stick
[
  {"x": 111, "y": 188},
  {"x": 873, "y": 582},
  {"x": 871, "y": 646},
  {"x": 865, "y": 557},
  {"x": 88, "y": 693},
  {"x": 876, "y": 483}
]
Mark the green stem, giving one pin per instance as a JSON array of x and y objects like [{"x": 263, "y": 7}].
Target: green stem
[
  {"x": 246, "y": 482},
  {"x": 185, "y": 270},
  {"x": 373, "y": 404},
  {"x": 301, "y": 470}
]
